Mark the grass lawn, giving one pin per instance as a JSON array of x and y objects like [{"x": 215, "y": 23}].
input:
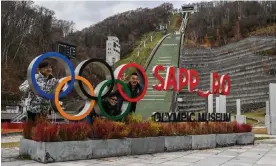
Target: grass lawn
[
  {"x": 258, "y": 115},
  {"x": 173, "y": 27},
  {"x": 250, "y": 121},
  {"x": 268, "y": 30},
  {"x": 262, "y": 138},
  {"x": 144, "y": 53},
  {"x": 10, "y": 144}
]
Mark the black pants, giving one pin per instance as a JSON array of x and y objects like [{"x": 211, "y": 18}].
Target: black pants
[
  {"x": 31, "y": 116},
  {"x": 133, "y": 107}
]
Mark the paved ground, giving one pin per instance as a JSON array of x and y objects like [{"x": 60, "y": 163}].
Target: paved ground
[
  {"x": 262, "y": 154},
  {"x": 11, "y": 139},
  {"x": 265, "y": 135},
  {"x": 257, "y": 155},
  {"x": 167, "y": 55}
]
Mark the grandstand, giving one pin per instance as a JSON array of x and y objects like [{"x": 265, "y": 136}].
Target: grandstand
[{"x": 249, "y": 71}]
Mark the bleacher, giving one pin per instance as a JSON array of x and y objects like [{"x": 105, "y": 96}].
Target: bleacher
[{"x": 249, "y": 72}]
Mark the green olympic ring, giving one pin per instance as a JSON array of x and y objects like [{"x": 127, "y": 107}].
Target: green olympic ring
[{"x": 99, "y": 101}]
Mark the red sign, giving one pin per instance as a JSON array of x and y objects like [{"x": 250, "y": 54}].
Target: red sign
[{"x": 178, "y": 78}]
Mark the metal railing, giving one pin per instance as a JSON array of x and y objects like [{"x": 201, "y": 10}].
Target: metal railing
[
  {"x": 18, "y": 114},
  {"x": 20, "y": 117},
  {"x": 174, "y": 103}
]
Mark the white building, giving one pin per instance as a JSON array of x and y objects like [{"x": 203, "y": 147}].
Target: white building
[{"x": 112, "y": 50}]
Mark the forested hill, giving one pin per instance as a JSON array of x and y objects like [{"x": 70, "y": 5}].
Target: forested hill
[
  {"x": 221, "y": 22},
  {"x": 28, "y": 31}
]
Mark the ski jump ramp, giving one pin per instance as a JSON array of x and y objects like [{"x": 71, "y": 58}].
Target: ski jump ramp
[{"x": 167, "y": 53}]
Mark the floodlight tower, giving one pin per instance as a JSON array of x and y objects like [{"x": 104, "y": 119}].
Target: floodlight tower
[{"x": 186, "y": 12}]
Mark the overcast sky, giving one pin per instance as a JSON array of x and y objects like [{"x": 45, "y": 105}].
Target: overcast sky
[{"x": 86, "y": 13}]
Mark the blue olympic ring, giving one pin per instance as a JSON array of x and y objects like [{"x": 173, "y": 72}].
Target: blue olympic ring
[{"x": 33, "y": 72}]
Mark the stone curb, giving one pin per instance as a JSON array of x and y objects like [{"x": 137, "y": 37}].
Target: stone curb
[
  {"x": 11, "y": 134},
  {"x": 266, "y": 141},
  {"x": 48, "y": 152}
]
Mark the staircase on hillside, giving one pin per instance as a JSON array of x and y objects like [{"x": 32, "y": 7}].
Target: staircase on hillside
[{"x": 248, "y": 72}]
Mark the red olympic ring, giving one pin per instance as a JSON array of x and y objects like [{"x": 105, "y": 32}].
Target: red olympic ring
[{"x": 145, "y": 79}]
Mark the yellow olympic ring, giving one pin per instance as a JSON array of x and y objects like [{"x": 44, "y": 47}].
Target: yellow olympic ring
[{"x": 59, "y": 108}]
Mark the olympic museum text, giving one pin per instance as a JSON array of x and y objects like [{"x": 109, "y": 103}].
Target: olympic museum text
[{"x": 190, "y": 117}]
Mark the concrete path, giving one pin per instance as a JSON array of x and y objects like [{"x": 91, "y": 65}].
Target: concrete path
[
  {"x": 267, "y": 141},
  {"x": 167, "y": 55},
  {"x": 265, "y": 135},
  {"x": 8, "y": 139},
  {"x": 257, "y": 155}
]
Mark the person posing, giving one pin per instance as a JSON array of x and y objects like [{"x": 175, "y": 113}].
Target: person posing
[
  {"x": 135, "y": 88},
  {"x": 38, "y": 105},
  {"x": 110, "y": 105}
]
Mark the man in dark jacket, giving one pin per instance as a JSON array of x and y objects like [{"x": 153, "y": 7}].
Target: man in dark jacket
[
  {"x": 136, "y": 89},
  {"x": 110, "y": 105}
]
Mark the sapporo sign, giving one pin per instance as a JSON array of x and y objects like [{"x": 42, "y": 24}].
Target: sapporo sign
[{"x": 176, "y": 78}]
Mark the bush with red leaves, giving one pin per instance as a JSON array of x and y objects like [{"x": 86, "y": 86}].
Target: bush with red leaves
[
  {"x": 219, "y": 128},
  {"x": 144, "y": 129},
  {"x": 168, "y": 129},
  {"x": 74, "y": 131},
  {"x": 134, "y": 128},
  {"x": 27, "y": 129},
  {"x": 199, "y": 128},
  {"x": 45, "y": 132},
  {"x": 242, "y": 128},
  {"x": 106, "y": 129}
]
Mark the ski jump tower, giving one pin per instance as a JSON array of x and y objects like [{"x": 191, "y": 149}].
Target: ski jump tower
[{"x": 186, "y": 12}]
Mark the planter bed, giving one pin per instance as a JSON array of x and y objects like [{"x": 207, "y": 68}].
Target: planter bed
[{"x": 47, "y": 152}]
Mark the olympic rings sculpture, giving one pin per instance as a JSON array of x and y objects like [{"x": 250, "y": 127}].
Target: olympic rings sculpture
[{"x": 83, "y": 87}]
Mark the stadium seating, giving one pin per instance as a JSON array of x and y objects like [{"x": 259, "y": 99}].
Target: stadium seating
[{"x": 248, "y": 70}]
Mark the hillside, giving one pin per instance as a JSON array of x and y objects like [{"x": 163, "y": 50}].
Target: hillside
[
  {"x": 221, "y": 22},
  {"x": 29, "y": 30},
  {"x": 145, "y": 51}
]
